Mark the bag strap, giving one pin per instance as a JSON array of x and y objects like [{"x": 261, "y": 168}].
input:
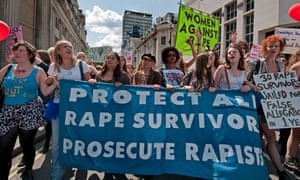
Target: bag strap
[
  {"x": 279, "y": 65},
  {"x": 257, "y": 67},
  {"x": 81, "y": 70},
  {"x": 189, "y": 76},
  {"x": 8, "y": 69},
  {"x": 227, "y": 79}
]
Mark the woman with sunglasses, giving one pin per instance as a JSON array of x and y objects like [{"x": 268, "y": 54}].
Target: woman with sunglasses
[{"x": 172, "y": 75}]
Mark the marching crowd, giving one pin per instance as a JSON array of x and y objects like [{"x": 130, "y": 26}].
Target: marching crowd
[{"x": 32, "y": 96}]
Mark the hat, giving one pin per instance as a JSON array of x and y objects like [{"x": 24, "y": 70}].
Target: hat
[{"x": 149, "y": 57}]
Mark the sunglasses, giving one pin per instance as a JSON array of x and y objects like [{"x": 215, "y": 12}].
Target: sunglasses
[{"x": 172, "y": 55}]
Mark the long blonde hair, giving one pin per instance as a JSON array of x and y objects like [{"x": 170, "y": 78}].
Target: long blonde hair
[{"x": 58, "y": 59}]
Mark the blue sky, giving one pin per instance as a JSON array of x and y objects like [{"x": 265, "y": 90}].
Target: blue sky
[{"x": 104, "y": 17}]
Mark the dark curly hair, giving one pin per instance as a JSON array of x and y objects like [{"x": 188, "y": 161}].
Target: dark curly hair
[{"x": 165, "y": 52}]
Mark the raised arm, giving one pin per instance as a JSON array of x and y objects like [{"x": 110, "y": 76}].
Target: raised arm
[
  {"x": 199, "y": 39},
  {"x": 233, "y": 38},
  {"x": 194, "y": 51}
]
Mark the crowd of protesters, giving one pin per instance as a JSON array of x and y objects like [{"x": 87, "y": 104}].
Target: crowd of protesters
[{"x": 22, "y": 115}]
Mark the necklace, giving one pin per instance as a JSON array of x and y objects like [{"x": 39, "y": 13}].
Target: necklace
[{"x": 20, "y": 70}]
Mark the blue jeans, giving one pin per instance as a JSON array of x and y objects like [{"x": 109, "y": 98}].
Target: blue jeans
[{"x": 57, "y": 170}]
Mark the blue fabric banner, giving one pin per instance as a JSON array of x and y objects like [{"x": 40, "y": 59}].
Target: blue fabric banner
[{"x": 138, "y": 130}]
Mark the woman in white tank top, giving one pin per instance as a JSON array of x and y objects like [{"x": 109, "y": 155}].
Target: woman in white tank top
[{"x": 231, "y": 75}]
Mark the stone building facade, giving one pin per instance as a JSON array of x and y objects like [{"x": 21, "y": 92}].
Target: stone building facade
[
  {"x": 44, "y": 22},
  {"x": 160, "y": 36},
  {"x": 253, "y": 20}
]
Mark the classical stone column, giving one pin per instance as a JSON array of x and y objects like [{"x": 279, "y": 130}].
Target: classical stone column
[{"x": 42, "y": 30}]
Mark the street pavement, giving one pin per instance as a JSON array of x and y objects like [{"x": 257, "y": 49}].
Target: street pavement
[{"x": 41, "y": 167}]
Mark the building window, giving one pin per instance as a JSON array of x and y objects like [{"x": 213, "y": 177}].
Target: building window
[
  {"x": 218, "y": 14},
  {"x": 163, "y": 40},
  {"x": 231, "y": 27},
  {"x": 249, "y": 29},
  {"x": 56, "y": 39},
  {"x": 231, "y": 11},
  {"x": 57, "y": 23},
  {"x": 249, "y": 5}
]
